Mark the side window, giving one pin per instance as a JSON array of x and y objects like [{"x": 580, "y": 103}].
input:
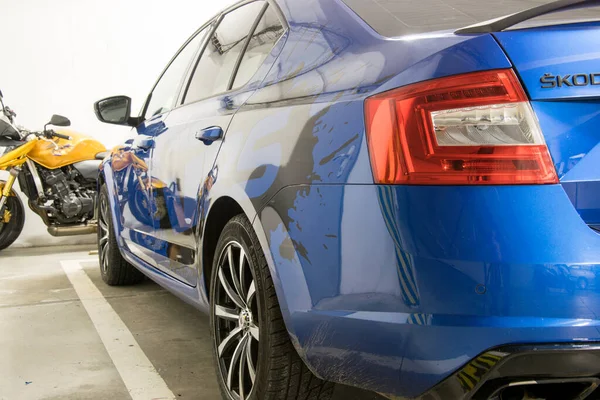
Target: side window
[
  {"x": 166, "y": 90},
  {"x": 213, "y": 70},
  {"x": 266, "y": 34}
]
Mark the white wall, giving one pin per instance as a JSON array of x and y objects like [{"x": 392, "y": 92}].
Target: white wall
[{"x": 60, "y": 56}]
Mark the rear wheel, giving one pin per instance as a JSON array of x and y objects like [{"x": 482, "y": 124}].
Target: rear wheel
[
  {"x": 11, "y": 221},
  {"x": 114, "y": 269},
  {"x": 254, "y": 356}
]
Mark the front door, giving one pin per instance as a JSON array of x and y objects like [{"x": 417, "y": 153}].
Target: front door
[
  {"x": 184, "y": 154},
  {"x": 131, "y": 167},
  {"x": 138, "y": 209}
]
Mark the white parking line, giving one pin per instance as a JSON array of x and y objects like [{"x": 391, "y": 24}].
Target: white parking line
[{"x": 139, "y": 375}]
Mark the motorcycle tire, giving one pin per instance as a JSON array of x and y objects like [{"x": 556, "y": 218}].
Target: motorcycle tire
[{"x": 9, "y": 232}]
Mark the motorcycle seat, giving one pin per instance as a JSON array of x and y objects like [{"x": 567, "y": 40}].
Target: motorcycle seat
[{"x": 101, "y": 155}]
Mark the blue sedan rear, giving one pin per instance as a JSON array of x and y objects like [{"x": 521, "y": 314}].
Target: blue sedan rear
[{"x": 376, "y": 193}]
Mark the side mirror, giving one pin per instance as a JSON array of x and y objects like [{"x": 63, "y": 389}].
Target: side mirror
[
  {"x": 114, "y": 110},
  {"x": 59, "y": 120}
]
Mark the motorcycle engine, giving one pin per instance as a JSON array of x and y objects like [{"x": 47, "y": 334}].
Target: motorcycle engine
[{"x": 71, "y": 196}]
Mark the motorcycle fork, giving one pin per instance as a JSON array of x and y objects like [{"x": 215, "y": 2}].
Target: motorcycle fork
[
  {"x": 141, "y": 182},
  {"x": 6, "y": 192}
]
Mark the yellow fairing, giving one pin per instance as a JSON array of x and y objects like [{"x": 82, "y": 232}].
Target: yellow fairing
[
  {"x": 16, "y": 157},
  {"x": 79, "y": 148}
]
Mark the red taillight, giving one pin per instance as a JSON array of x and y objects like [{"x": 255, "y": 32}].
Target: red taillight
[{"x": 476, "y": 128}]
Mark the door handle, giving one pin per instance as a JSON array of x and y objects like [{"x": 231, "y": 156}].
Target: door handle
[
  {"x": 143, "y": 142},
  {"x": 209, "y": 135}
]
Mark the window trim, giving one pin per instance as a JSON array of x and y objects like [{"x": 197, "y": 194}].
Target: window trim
[
  {"x": 280, "y": 15},
  {"x": 189, "y": 73},
  {"x": 285, "y": 30},
  {"x": 238, "y": 62},
  {"x": 216, "y": 19},
  {"x": 234, "y": 71},
  {"x": 284, "y": 24},
  {"x": 273, "y": 3},
  {"x": 182, "y": 79}
]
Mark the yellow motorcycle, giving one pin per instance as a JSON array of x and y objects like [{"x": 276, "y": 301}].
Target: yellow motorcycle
[{"x": 57, "y": 172}]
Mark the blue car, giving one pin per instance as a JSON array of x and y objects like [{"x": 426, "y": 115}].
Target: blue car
[{"x": 387, "y": 194}]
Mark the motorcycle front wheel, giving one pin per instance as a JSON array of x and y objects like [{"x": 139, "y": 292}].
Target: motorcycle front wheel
[{"x": 11, "y": 223}]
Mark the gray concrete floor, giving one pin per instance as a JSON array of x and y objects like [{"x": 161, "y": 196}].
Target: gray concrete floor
[{"x": 50, "y": 348}]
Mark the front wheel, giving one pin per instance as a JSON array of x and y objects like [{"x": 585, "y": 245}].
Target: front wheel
[
  {"x": 254, "y": 356},
  {"x": 11, "y": 221},
  {"x": 114, "y": 269}
]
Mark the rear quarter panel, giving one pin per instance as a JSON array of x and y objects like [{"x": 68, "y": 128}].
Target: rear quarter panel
[{"x": 292, "y": 153}]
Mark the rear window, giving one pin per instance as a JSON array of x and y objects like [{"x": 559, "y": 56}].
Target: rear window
[{"x": 406, "y": 17}]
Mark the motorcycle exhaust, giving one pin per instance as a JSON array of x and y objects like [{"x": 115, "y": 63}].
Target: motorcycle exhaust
[{"x": 60, "y": 231}]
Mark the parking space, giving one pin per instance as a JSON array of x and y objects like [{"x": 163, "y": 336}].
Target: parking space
[{"x": 62, "y": 338}]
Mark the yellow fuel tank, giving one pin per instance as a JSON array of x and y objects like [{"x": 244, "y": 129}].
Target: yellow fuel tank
[{"x": 64, "y": 152}]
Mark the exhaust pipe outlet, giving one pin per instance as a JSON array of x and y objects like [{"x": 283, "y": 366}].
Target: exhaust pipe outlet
[
  {"x": 548, "y": 389},
  {"x": 513, "y": 393},
  {"x": 61, "y": 231}
]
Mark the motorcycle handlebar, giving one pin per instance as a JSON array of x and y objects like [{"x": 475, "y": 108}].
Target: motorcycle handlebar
[{"x": 61, "y": 136}]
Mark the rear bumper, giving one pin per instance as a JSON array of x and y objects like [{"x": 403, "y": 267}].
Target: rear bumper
[
  {"x": 395, "y": 288},
  {"x": 526, "y": 366}
]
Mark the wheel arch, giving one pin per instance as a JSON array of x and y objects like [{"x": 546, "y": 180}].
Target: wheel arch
[
  {"x": 106, "y": 177},
  {"x": 262, "y": 219},
  {"x": 221, "y": 212}
]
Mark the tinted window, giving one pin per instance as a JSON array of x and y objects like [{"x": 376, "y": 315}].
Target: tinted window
[
  {"x": 214, "y": 69},
  {"x": 166, "y": 90},
  {"x": 403, "y": 17},
  {"x": 266, "y": 34}
]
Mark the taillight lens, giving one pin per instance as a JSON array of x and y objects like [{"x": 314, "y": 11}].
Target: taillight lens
[{"x": 476, "y": 128}]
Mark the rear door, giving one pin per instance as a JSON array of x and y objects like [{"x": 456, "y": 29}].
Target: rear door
[
  {"x": 132, "y": 163},
  {"x": 559, "y": 66},
  {"x": 219, "y": 83}
]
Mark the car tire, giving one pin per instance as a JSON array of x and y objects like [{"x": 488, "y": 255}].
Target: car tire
[
  {"x": 115, "y": 271},
  {"x": 9, "y": 232},
  {"x": 247, "y": 326}
]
